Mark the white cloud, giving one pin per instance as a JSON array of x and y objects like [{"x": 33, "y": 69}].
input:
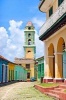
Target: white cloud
[
  {"x": 3, "y": 39},
  {"x": 11, "y": 46},
  {"x": 37, "y": 21},
  {"x": 14, "y": 24}
]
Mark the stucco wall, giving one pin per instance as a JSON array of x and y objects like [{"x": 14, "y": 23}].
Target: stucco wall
[
  {"x": 11, "y": 71},
  {"x": 54, "y": 40},
  {"x": 29, "y": 54},
  {"x": 55, "y": 7}
]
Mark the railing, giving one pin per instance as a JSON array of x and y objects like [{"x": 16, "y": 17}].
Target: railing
[{"x": 60, "y": 11}]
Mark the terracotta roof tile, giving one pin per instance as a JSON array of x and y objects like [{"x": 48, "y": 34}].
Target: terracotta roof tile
[
  {"x": 3, "y": 58},
  {"x": 29, "y": 23}
]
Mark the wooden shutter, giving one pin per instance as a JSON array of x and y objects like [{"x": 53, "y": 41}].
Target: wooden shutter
[
  {"x": 50, "y": 11},
  {"x": 39, "y": 71}
]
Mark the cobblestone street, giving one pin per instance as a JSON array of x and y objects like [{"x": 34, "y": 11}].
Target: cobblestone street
[{"x": 21, "y": 91}]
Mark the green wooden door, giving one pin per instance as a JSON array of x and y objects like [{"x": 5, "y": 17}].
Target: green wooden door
[
  {"x": 42, "y": 70},
  {"x": 39, "y": 71},
  {"x": 15, "y": 75}
]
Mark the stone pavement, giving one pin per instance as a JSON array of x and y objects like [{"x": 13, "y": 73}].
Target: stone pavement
[{"x": 21, "y": 91}]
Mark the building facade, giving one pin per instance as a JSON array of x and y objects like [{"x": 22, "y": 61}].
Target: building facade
[
  {"x": 39, "y": 69},
  {"x": 53, "y": 34},
  {"x": 11, "y": 71},
  {"x": 28, "y": 64},
  {"x": 20, "y": 74},
  {"x": 28, "y": 61},
  {"x": 3, "y": 69}
]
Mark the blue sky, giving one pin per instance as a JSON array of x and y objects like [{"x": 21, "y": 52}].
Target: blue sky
[{"x": 14, "y": 14}]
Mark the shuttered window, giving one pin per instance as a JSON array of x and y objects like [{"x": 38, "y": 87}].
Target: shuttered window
[
  {"x": 59, "y": 2},
  {"x": 50, "y": 11}
]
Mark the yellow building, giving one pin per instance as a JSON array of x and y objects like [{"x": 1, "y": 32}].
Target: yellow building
[
  {"x": 53, "y": 34},
  {"x": 29, "y": 51},
  {"x": 28, "y": 64},
  {"x": 11, "y": 71}
]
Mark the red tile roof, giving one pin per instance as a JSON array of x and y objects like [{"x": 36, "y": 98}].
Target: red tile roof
[
  {"x": 3, "y": 58},
  {"x": 29, "y": 23}
]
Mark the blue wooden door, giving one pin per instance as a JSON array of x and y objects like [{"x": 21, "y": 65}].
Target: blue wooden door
[
  {"x": 5, "y": 73},
  {"x": 64, "y": 64},
  {"x": 2, "y": 72}
]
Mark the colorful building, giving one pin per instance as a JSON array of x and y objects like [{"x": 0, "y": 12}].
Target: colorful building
[
  {"x": 28, "y": 61},
  {"x": 3, "y": 69},
  {"x": 53, "y": 34},
  {"x": 39, "y": 68},
  {"x": 20, "y": 74},
  {"x": 28, "y": 64},
  {"x": 11, "y": 66}
]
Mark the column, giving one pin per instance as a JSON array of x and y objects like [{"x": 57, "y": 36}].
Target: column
[
  {"x": 58, "y": 67},
  {"x": 47, "y": 77}
]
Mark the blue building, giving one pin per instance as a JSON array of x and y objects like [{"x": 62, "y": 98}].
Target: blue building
[{"x": 3, "y": 69}]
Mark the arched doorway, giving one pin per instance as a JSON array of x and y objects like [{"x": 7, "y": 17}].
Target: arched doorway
[
  {"x": 51, "y": 58},
  {"x": 60, "y": 57}
]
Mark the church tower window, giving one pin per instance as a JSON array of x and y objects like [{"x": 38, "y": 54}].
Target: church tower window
[
  {"x": 29, "y": 35},
  {"x": 29, "y": 42}
]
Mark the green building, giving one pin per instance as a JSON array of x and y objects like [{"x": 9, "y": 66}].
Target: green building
[
  {"x": 39, "y": 69},
  {"x": 20, "y": 74}
]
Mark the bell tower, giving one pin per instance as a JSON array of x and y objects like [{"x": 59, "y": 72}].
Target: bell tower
[{"x": 29, "y": 45}]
